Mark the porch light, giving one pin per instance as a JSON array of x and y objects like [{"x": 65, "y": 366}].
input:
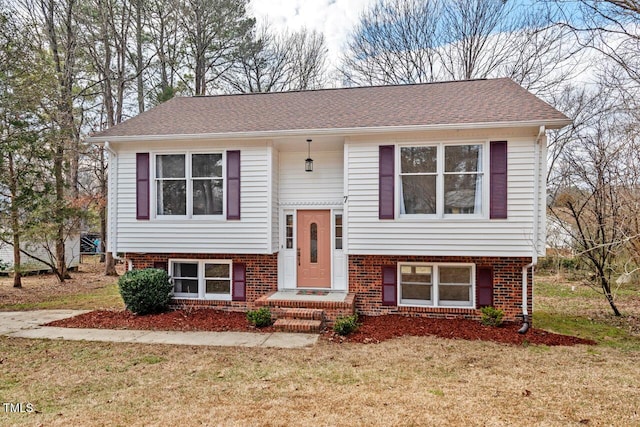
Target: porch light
[{"x": 308, "y": 163}]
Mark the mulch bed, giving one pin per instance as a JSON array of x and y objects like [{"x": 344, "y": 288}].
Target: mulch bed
[
  {"x": 380, "y": 328},
  {"x": 373, "y": 329},
  {"x": 175, "y": 320}
]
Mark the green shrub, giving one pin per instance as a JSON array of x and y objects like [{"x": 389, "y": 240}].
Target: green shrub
[
  {"x": 344, "y": 325},
  {"x": 491, "y": 316},
  {"x": 260, "y": 317},
  {"x": 145, "y": 291}
]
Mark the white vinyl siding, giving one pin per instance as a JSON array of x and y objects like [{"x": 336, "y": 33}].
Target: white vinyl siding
[
  {"x": 369, "y": 235},
  {"x": 275, "y": 191},
  {"x": 323, "y": 185},
  {"x": 251, "y": 234}
]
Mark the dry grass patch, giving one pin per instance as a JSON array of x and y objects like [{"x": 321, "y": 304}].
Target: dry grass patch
[
  {"x": 406, "y": 381},
  {"x": 88, "y": 288}
]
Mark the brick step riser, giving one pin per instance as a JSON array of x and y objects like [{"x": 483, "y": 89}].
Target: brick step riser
[
  {"x": 298, "y": 313},
  {"x": 298, "y": 325}
]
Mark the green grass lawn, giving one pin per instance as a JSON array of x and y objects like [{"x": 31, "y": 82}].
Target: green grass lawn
[{"x": 571, "y": 308}]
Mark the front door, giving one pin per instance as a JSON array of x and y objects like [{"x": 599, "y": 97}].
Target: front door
[{"x": 314, "y": 249}]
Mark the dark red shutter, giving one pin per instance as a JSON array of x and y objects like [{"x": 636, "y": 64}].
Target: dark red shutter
[
  {"x": 389, "y": 285},
  {"x": 484, "y": 286},
  {"x": 233, "y": 184},
  {"x": 142, "y": 185},
  {"x": 239, "y": 285},
  {"x": 498, "y": 180},
  {"x": 386, "y": 172}
]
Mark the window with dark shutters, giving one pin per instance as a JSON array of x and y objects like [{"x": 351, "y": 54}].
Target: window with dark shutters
[
  {"x": 389, "y": 285},
  {"x": 239, "y": 287},
  {"x": 386, "y": 207},
  {"x": 142, "y": 186},
  {"x": 498, "y": 180},
  {"x": 233, "y": 184}
]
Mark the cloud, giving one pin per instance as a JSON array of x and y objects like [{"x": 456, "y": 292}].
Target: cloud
[{"x": 334, "y": 18}]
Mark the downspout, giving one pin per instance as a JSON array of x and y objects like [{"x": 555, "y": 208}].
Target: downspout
[
  {"x": 113, "y": 183},
  {"x": 536, "y": 227}
]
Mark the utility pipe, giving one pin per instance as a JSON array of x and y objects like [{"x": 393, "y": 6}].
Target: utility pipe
[{"x": 536, "y": 227}]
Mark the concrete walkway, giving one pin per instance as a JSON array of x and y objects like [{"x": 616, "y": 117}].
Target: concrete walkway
[{"x": 28, "y": 324}]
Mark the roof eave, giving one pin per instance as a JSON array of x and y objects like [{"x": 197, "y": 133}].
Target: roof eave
[{"x": 549, "y": 124}]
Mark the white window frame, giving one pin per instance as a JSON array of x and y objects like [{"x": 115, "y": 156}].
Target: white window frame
[
  {"x": 202, "y": 279},
  {"x": 440, "y": 174},
  {"x": 189, "y": 184},
  {"x": 435, "y": 284}
]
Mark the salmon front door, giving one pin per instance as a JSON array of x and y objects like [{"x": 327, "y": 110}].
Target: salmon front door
[{"x": 314, "y": 249}]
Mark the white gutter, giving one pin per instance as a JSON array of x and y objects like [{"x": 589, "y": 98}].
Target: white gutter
[
  {"x": 536, "y": 228},
  {"x": 551, "y": 124},
  {"x": 107, "y": 147}
]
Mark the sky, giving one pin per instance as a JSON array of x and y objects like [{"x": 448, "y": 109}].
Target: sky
[{"x": 333, "y": 18}]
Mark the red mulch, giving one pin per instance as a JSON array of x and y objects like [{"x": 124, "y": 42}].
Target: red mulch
[
  {"x": 176, "y": 320},
  {"x": 373, "y": 329}
]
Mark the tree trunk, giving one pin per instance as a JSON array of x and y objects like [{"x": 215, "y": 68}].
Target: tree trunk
[
  {"x": 61, "y": 265},
  {"x": 110, "y": 265},
  {"x": 139, "y": 64},
  {"x": 607, "y": 293},
  {"x": 15, "y": 224}
]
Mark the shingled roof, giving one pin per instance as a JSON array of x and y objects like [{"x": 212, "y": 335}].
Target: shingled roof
[{"x": 499, "y": 102}]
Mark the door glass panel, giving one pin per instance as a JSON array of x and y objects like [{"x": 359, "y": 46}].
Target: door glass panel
[
  {"x": 339, "y": 231},
  {"x": 314, "y": 243},
  {"x": 289, "y": 236}
]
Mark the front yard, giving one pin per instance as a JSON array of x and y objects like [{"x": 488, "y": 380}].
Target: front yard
[{"x": 404, "y": 381}]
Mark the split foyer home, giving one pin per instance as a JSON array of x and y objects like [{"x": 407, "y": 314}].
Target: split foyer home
[{"x": 424, "y": 199}]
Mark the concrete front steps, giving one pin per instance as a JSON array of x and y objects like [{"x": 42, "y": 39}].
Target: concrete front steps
[{"x": 307, "y": 320}]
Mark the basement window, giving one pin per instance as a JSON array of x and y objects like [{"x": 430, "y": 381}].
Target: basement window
[
  {"x": 436, "y": 285},
  {"x": 201, "y": 279}
]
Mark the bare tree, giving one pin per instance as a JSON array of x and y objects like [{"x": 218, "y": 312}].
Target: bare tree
[
  {"x": 57, "y": 20},
  {"x": 214, "y": 30},
  {"x": 610, "y": 27},
  {"x": 278, "y": 62},
  {"x": 164, "y": 30},
  {"x": 395, "y": 42},
  {"x": 593, "y": 174},
  {"x": 399, "y": 42}
]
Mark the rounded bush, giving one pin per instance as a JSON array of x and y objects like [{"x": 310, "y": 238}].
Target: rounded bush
[
  {"x": 491, "y": 316},
  {"x": 260, "y": 317},
  {"x": 344, "y": 325},
  {"x": 145, "y": 291}
]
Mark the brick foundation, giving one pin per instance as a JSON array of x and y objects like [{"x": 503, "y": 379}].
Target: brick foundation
[
  {"x": 365, "y": 283},
  {"x": 261, "y": 271},
  {"x": 365, "y": 279}
]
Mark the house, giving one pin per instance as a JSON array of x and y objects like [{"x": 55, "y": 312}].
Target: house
[
  {"x": 40, "y": 251},
  {"x": 423, "y": 199}
]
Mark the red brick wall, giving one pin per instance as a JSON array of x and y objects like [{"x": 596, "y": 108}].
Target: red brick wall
[
  {"x": 261, "y": 276},
  {"x": 365, "y": 279}
]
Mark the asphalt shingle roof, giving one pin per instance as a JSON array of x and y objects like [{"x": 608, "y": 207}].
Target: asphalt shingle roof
[{"x": 499, "y": 101}]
